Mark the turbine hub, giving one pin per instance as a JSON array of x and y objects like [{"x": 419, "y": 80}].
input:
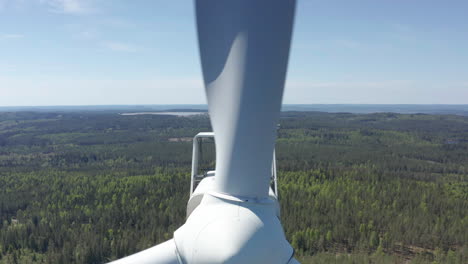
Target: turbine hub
[{"x": 228, "y": 231}]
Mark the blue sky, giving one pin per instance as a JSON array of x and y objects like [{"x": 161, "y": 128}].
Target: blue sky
[{"x": 93, "y": 52}]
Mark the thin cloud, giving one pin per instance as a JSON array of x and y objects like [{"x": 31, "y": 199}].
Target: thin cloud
[
  {"x": 12, "y": 36},
  {"x": 116, "y": 23},
  {"x": 6, "y": 4},
  {"x": 86, "y": 35},
  {"x": 118, "y": 46},
  {"x": 375, "y": 92},
  {"x": 343, "y": 84},
  {"x": 58, "y": 90},
  {"x": 69, "y": 6}
]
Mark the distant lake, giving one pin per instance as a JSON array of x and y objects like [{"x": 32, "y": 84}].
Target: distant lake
[{"x": 165, "y": 113}]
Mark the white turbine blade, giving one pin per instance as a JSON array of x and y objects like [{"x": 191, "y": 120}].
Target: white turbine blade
[
  {"x": 244, "y": 47},
  {"x": 164, "y": 253}
]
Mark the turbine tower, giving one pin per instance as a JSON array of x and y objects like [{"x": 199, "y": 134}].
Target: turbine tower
[{"x": 233, "y": 217}]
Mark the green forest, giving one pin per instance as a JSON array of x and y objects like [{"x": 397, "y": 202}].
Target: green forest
[{"x": 91, "y": 186}]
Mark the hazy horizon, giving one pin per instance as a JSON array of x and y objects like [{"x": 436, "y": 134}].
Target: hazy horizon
[
  {"x": 454, "y": 109},
  {"x": 204, "y": 104}
]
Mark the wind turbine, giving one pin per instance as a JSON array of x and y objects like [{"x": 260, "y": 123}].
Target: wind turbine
[{"x": 244, "y": 49}]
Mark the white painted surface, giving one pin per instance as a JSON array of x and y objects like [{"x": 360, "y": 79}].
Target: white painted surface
[
  {"x": 207, "y": 185},
  {"x": 225, "y": 231},
  {"x": 244, "y": 47},
  {"x": 164, "y": 253}
]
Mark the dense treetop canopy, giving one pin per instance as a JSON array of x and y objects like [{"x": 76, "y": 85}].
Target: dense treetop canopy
[{"x": 89, "y": 187}]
